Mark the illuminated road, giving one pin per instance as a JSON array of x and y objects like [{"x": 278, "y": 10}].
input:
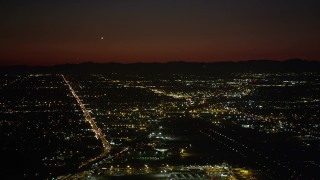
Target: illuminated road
[{"x": 96, "y": 130}]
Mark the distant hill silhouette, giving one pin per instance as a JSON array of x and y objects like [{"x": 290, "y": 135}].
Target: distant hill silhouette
[{"x": 293, "y": 65}]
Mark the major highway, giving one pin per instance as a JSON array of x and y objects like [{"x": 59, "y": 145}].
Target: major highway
[{"x": 89, "y": 119}]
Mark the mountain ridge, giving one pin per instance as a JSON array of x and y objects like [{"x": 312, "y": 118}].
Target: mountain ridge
[{"x": 291, "y": 65}]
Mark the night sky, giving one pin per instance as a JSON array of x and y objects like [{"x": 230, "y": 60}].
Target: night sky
[{"x": 46, "y": 32}]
